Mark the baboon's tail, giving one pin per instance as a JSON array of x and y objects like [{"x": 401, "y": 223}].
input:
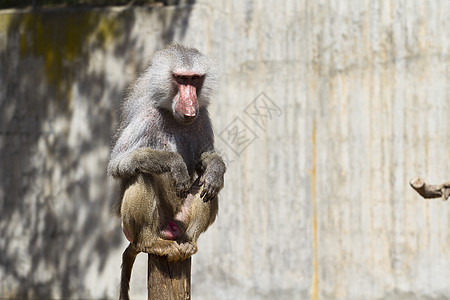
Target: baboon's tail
[{"x": 128, "y": 257}]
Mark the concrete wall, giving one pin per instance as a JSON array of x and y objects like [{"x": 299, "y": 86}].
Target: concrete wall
[{"x": 326, "y": 110}]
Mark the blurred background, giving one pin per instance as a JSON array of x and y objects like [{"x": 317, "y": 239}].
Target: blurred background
[{"x": 325, "y": 111}]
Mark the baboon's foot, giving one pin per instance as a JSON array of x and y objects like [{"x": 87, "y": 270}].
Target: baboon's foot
[
  {"x": 162, "y": 247},
  {"x": 171, "y": 249},
  {"x": 187, "y": 249}
]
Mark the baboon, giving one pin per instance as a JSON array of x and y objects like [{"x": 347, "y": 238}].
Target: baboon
[{"x": 164, "y": 157}]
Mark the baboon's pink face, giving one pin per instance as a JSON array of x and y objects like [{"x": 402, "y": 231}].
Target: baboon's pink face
[{"x": 186, "y": 105}]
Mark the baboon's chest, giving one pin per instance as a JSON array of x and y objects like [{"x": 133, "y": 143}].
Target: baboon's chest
[{"x": 187, "y": 145}]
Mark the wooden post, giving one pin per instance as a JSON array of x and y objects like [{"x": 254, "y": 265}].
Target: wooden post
[{"x": 168, "y": 281}]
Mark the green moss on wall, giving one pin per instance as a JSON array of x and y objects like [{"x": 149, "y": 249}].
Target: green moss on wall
[
  {"x": 5, "y": 20},
  {"x": 64, "y": 40}
]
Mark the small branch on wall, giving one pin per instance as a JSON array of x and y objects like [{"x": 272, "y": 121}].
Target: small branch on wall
[{"x": 429, "y": 191}]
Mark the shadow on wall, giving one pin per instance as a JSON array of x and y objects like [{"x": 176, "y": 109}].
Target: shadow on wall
[
  {"x": 58, "y": 111},
  {"x": 177, "y": 23}
]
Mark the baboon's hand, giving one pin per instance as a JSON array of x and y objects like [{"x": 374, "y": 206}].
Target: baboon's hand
[
  {"x": 212, "y": 178},
  {"x": 212, "y": 186},
  {"x": 152, "y": 161},
  {"x": 181, "y": 176}
]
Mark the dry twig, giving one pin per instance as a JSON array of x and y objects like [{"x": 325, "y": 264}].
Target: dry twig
[{"x": 429, "y": 191}]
